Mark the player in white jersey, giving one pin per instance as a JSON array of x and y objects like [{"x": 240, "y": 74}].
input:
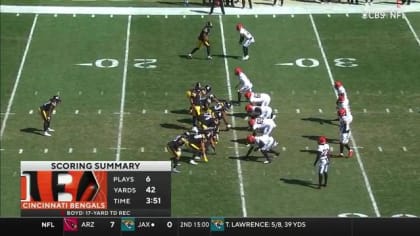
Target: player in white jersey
[
  {"x": 343, "y": 102},
  {"x": 323, "y": 160},
  {"x": 265, "y": 112},
  {"x": 345, "y": 132},
  {"x": 339, "y": 88},
  {"x": 262, "y": 126},
  {"x": 245, "y": 39},
  {"x": 244, "y": 85},
  {"x": 264, "y": 144},
  {"x": 258, "y": 99}
]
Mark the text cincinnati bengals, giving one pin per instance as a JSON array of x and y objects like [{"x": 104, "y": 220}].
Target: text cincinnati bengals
[
  {"x": 64, "y": 205},
  {"x": 95, "y": 166}
]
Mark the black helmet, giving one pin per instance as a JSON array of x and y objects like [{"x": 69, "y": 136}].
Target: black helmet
[
  {"x": 56, "y": 99},
  {"x": 209, "y": 24}
]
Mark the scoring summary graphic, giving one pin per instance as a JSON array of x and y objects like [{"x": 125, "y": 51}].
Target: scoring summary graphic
[{"x": 95, "y": 189}]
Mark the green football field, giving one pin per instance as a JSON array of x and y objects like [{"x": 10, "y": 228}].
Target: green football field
[{"x": 123, "y": 78}]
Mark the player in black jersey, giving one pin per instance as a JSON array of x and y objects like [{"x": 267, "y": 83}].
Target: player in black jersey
[
  {"x": 174, "y": 146},
  {"x": 46, "y": 110},
  {"x": 203, "y": 39}
]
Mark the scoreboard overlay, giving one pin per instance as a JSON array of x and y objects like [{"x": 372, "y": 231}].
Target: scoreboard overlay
[{"x": 96, "y": 188}]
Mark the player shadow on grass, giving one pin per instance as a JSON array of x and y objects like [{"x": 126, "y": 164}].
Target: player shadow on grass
[
  {"x": 32, "y": 130},
  {"x": 305, "y": 183},
  {"x": 243, "y": 128},
  {"x": 227, "y": 56},
  {"x": 173, "y": 126},
  {"x": 239, "y": 140},
  {"x": 181, "y": 111},
  {"x": 321, "y": 121},
  {"x": 260, "y": 159},
  {"x": 239, "y": 115},
  {"x": 185, "y": 121}
]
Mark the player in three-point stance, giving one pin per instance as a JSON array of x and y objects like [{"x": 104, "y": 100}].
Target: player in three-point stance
[
  {"x": 323, "y": 160},
  {"x": 265, "y": 144}
]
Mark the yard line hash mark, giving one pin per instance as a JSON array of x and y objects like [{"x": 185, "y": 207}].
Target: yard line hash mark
[
  {"x": 359, "y": 160},
  {"x": 22, "y": 63}
]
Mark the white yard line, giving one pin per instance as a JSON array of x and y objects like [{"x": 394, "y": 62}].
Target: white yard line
[
  {"x": 22, "y": 63},
  {"x": 235, "y": 136},
  {"x": 359, "y": 159},
  {"x": 121, "y": 122},
  {"x": 411, "y": 28}
]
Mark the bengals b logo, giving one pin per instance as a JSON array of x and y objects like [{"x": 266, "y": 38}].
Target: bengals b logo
[{"x": 58, "y": 186}]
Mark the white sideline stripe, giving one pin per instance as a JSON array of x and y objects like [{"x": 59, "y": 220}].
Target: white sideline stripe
[
  {"x": 235, "y": 136},
  {"x": 12, "y": 95},
  {"x": 120, "y": 125},
  {"x": 257, "y": 10},
  {"x": 359, "y": 160},
  {"x": 411, "y": 28}
]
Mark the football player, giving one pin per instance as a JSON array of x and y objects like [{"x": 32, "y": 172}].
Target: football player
[
  {"x": 174, "y": 146},
  {"x": 258, "y": 99},
  {"x": 343, "y": 102},
  {"x": 264, "y": 144},
  {"x": 46, "y": 111},
  {"x": 203, "y": 39},
  {"x": 258, "y": 111},
  {"x": 345, "y": 132},
  {"x": 209, "y": 125},
  {"x": 245, "y": 39},
  {"x": 195, "y": 97},
  {"x": 244, "y": 85},
  {"x": 208, "y": 97},
  {"x": 261, "y": 126},
  {"x": 220, "y": 111},
  {"x": 339, "y": 88},
  {"x": 196, "y": 142},
  {"x": 323, "y": 160}
]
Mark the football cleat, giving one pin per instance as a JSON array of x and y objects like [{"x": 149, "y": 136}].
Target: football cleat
[
  {"x": 209, "y": 57},
  {"x": 50, "y": 130},
  {"x": 245, "y": 58},
  {"x": 267, "y": 162},
  {"x": 47, "y": 134},
  {"x": 175, "y": 170},
  {"x": 189, "y": 56},
  {"x": 192, "y": 162}
]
